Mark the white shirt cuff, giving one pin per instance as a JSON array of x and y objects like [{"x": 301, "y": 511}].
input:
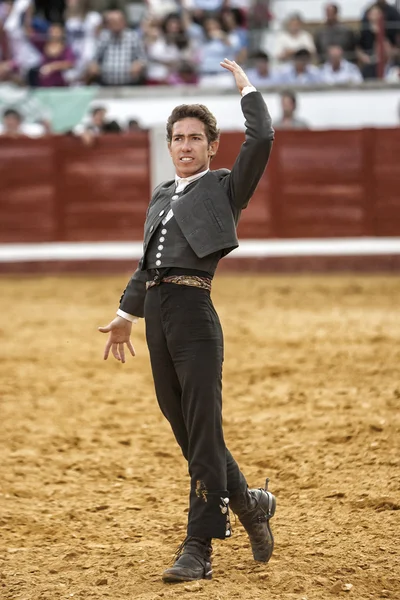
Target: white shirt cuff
[
  {"x": 247, "y": 89},
  {"x": 127, "y": 316}
]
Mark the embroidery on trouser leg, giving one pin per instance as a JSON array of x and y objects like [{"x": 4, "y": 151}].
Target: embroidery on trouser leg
[
  {"x": 225, "y": 511},
  {"x": 201, "y": 490}
]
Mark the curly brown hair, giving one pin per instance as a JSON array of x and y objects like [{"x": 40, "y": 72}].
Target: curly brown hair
[{"x": 194, "y": 111}]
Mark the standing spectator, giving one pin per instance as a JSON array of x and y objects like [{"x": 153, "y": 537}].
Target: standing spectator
[
  {"x": 300, "y": 71},
  {"x": 391, "y": 18},
  {"x": 8, "y": 71},
  {"x": 154, "y": 46},
  {"x": 293, "y": 38},
  {"x": 216, "y": 47},
  {"x": 18, "y": 28},
  {"x": 120, "y": 58},
  {"x": 57, "y": 58},
  {"x": 260, "y": 75},
  {"x": 334, "y": 33},
  {"x": 82, "y": 27},
  {"x": 367, "y": 48},
  {"x": 288, "y": 119},
  {"x": 339, "y": 70}
]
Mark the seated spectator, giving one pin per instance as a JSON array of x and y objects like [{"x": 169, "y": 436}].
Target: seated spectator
[
  {"x": 334, "y": 33},
  {"x": 82, "y": 28},
  {"x": 300, "y": 71},
  {"x": 166, "y": 47},
  {"x": 339, "y": 70},
  {"x": 288, "y": 119},
  {"x": 57, "y": 58},
  {"x": 185, "y": 73},
  {"x": 261, "y": 75},
  {"x": 391, "y": 20},
  {"x": 233, "y": 23},
  {"x": 293, "y": 38},
  {"x": 120, "y": 58},
  {"x": 368, "y": 49},
  {"x": 98, "y": 125},
  {"x": 216, "y": 47}
]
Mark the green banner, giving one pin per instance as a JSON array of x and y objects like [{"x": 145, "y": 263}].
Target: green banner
[{"x": 64, "y": 108}]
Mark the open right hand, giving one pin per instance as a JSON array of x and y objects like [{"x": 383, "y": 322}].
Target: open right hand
[{"x": 120, "y": 334}]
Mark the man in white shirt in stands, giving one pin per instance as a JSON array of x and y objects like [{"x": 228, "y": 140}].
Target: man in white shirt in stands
[
  {"x": 339, "y": 70},
  {"x": 300, "y": 71}
]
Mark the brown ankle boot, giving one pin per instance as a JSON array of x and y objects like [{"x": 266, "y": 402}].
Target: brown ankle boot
[
  {"x": 193, "y": 561},
  {"x": 255, "y": 508}
]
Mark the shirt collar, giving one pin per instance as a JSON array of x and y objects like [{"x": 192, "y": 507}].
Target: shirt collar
[{"x": 191, "y": 178}]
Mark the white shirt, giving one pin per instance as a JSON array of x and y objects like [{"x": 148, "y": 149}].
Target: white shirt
[
  {"x": 286, "y": 41},
  {"x": 347, "y": 73},
  {"x": 181, "y": 183}
]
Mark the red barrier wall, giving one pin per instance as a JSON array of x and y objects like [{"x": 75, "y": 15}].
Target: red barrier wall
[
  {"x": 318, "y": 184},
  {"x": 57, "y": 189},
  {"x": 324, "y": 184}
]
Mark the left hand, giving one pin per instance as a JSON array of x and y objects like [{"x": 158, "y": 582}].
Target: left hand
[
  {"x": 119, "y": 331},
  {"x": 46, "y": 69},
  {"x": 240, "y": 76}
]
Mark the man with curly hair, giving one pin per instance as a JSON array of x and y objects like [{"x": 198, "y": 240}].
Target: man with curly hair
[{"x": 190, "y": 225}]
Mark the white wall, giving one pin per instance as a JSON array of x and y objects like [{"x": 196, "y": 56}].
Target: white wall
[{"x": 337, "y": 109}]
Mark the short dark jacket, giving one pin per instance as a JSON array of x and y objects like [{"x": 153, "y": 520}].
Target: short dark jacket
[{"x": 208, "y": 213}]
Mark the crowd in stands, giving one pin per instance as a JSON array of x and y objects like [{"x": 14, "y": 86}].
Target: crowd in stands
[{"x": 56, "y": 43}]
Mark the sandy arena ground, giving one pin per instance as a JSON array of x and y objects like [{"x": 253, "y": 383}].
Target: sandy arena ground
[{"x": 93, "y": 488}]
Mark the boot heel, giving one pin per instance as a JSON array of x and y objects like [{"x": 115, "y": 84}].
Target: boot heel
[{"x": 268, "y": 503}]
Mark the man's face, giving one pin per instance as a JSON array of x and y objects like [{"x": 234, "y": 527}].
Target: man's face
[
  {"x": 331, "y": 14},
  {"x": 262, "y": 67},
  {"x": 335, "y": 55},
  {"x": 287, "y": 106},
  {"x": 189, "y": 147},
  {"x": 301, "y": 63},
  {"x": 115, "y": 21},
  {"x": 98, "y": 117}
]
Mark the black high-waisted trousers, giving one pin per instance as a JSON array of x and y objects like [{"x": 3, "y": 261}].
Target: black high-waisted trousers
[{"x": 185, "y": 342}]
